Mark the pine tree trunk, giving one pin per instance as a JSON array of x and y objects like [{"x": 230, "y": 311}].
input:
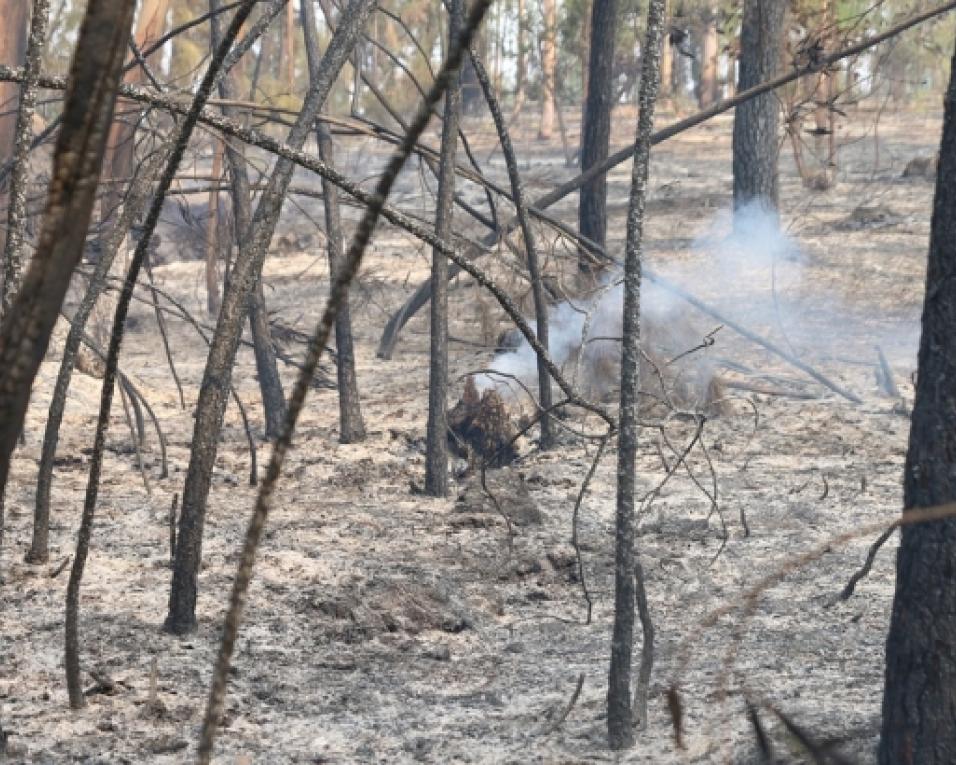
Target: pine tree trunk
[
  {"x": 756, "y": 122},
  {"x": 919, "y": 702},
  {"x": 436, "y": 452},
  {"x": 620, "y": 712},
  {"x": 246, "y": 273},
  {"x": 707, "y": 89},
  {"x": 596, "y": 133},
  {"x": 351, "y": 424},
  {"x": 549, "y": 58},
  {"x": 13, "y": 48}
]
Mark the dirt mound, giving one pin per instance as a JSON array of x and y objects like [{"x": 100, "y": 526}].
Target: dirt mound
[
  {"x": 377, "y": 605},
  {"x": 505, "y": 492}
]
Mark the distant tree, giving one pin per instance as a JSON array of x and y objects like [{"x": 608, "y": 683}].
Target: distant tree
[
  {"x": 13, "y": 47},
  {"x": 707, "y": 89},
  {"x": 596, "y": 131},
  {"x": 756, "y": 122},
  {"x": 919, "y": 701},
  {"x": 549, "y": 60},
  {"x": 436, "y": 448}
]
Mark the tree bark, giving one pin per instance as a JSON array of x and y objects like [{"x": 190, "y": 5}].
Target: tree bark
[
  {"x": 118, "y": 165},
  {"x": 549, "y": 59},
  {"x": 919, "y": 702},
  {"x": 17, "y": 213},
  {"x": 707, "y": 90},
  {"x": 756, "y": 122},
  {"x": 267, "y": 370},
  {"x": 436, "y": 449},
  {"x": 88, "y": 109},
  {"x": 13, "y": 47},
  {"x": 217, "y": 377},
  {"x": 596, "y": 131},
  {"x": 351, "y": 424},
  {"x": 620, "y": 714}
]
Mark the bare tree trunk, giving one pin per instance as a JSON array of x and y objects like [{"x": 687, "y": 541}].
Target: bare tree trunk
[
  {"x": 179, "y": 144},
  {"x": 596, "y": 132},
  {"x": 549, "y": 59},
  {"x": 13, "y": 46},
  {"x": 339, "y": 289},
  {"x": 627, "y": 588},
  {"x": 707, "y": 88},
  {"x": 246, "y": 272},
  {"x": 213, "y": 297},
  {"x": 25, "y": 331},
  {"x": 756, "y": 122},
  {"x": 351, "y": 424},
  {"x": 267, "y": 370},
  {"x": 545, "y": 399},
  {"x": 17, "y": 214},
  {"x": 150, "y": 22},
  {"x": 436, "y": 451},
  {"x": 667, "y": 57},
  {"x": 919, "y": 701},
  {"x": 521, "y": 63},
  {"x": 133, "y": 207}
]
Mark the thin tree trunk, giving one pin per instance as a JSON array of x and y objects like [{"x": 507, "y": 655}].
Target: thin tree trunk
[
  {"x": 88, "y": 109},
  {"x": 707, "y": 89},
  {"x": 545, "y": 399},
  {"x": 755, "y": 146},
  {"x": 521, "y": 63},
  {"x": 217, "y": 377},
  {"x": 17, "y": 214},
  {"x": 919, "y": 701},
  {"x": 133, "y": 207},
  {"x": 267, "y": 369},
  {"x": 118, "y": 165},
  {"x": 667, "y": 57},
  {"x": 213, "y": 297},
  {"x": 436, "y": 450},
  {"x": 549, "y": 58},
  {"x": 72, "y": 648},
  {"x": 351, "y": 424},
  {"x": 620, "y": 717},
  {"x": 596, "y": 131}
]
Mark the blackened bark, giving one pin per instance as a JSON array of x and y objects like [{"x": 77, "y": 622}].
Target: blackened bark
[
  {"x": 351, "y": 424},
  {"x": 545, "y": 399},
  {"x": 182, "y": 136},
  {"x": 217, "y": 377},
  {"x": 133, "y": 207},
  {"x": 919, "y": 702},
  {"x": 436, "y": 449},
  {"x": 620, "y": 714},
  {"x": 88, "y": 109},
  {"x": 17, "y": 214},
  {"x": 756, "y": 122},
  {"x": 267, "y": 370},
  {"x": 596, "y": 131}
]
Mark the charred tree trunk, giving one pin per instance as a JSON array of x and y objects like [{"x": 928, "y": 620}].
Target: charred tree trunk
[
  {"x": 88, "y": 110},
  {"x": 133, "y": 208},
  {"x": 246, "y": 272},
  {"x": 756, "y": 122},
  {"x": 596, "y": 131},
  {"x": 707, "y": 88},
  {"x": 178, "y": 150},
  {"x": 119, "y": 159},
  {"x": 17, "y": 214},
  {"x": 267, "y": 370},
  {"x": 919, "y": 702},
  {"x": 13, "y": 47},
  {"x": 351, "y": 424},
  {"x": 436, "y": 451},
  {"x": 549, "y": 60},
  {"x": 627, "y": 584}
]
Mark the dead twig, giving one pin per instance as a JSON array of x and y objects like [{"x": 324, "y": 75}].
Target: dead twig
[{"x": 559, "y": 721}]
